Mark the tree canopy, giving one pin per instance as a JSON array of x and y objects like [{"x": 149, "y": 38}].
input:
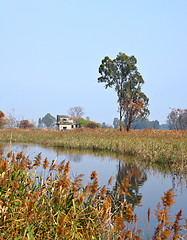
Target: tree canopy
[
  {"x": 177, "y": 119},
  {"x": 76, "y": 113},
  {"x": 122, "y": 74},
  {"x": 48, "y": 120}
]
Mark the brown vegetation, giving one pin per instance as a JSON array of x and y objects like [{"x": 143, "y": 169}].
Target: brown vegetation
[
  {"x": 162, "y": 148},
  {"x": 3, "y": 119},
  {"x": 58, "y": 207},
  {"x": 25, "y": 124}
]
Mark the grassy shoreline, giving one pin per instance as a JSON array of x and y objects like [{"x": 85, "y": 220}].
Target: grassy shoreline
[{"x": 157, "y": 147}]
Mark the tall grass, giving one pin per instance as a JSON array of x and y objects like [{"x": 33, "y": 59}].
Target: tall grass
[
  {"x": 156, "y": 147},
  {"x": 57, "y": 207}
]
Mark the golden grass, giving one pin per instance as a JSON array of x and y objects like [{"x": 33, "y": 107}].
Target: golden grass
[
  {"x": 157, "y": 147},
  {"x": 61, "y": 208}
]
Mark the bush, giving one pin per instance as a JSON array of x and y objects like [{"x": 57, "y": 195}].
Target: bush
[
  {"x": 25, "y": 124},
  {"x": 88, "y": 124},
  {"x": 2, "y": 119},
  {"x": 92, "y": 125}
]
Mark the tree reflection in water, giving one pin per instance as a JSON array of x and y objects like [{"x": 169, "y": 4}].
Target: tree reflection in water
[
  {"x": 1, "y": 149},
  {"x": 136, "y": 176}
]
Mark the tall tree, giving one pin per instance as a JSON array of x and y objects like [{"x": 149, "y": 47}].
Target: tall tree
[
  {"x": 12, "y": 121},
  {"x": 48, "y": 120},
  {"x": 39, "y": 122},
  {"x": 177, "y": 119},
  {"x": 76, "y": 113},
  {"x": 122, "y": 74}
]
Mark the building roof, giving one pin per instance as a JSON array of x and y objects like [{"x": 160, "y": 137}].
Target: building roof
[{"x": 64, "y": 116}]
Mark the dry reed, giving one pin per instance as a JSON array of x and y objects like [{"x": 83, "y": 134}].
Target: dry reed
[
  {"x": 62, "y": 208},
  {"x": 160, "y": 148}
]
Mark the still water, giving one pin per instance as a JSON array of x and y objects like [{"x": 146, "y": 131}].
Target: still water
[{"x": 148, "y": 182}]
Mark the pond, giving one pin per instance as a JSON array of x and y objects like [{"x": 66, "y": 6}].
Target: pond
[{"x": 145, "y": 181}]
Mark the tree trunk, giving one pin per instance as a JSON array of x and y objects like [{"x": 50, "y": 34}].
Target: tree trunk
[
  {"x": 128, "y": 122},
  {"x": 120, "y": 116}
]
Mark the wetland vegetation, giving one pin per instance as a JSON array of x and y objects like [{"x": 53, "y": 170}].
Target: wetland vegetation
[
  {"x": 55, "y": 206},
  {"x": 161, "y": 148}
]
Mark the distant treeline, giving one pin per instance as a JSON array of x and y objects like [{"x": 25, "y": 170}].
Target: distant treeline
[
  {"x": 176, "y": 119},
  {"x": 142, "y": 124}
]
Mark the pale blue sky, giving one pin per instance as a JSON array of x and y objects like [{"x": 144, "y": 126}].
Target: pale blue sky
[{"x": 50, "y": 52}]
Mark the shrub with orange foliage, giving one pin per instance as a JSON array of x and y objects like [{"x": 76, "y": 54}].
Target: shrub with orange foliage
[
  {"x": 25, "y": 124},
  {"x": 2, "y": 119}
]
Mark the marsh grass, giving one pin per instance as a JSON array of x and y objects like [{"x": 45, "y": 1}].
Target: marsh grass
[
  {"x": 58, "y": 207},
  {"x": 162, "y": 148}
]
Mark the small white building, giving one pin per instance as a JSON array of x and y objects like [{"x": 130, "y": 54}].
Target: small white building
[{"x": 64, "y": 122}]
